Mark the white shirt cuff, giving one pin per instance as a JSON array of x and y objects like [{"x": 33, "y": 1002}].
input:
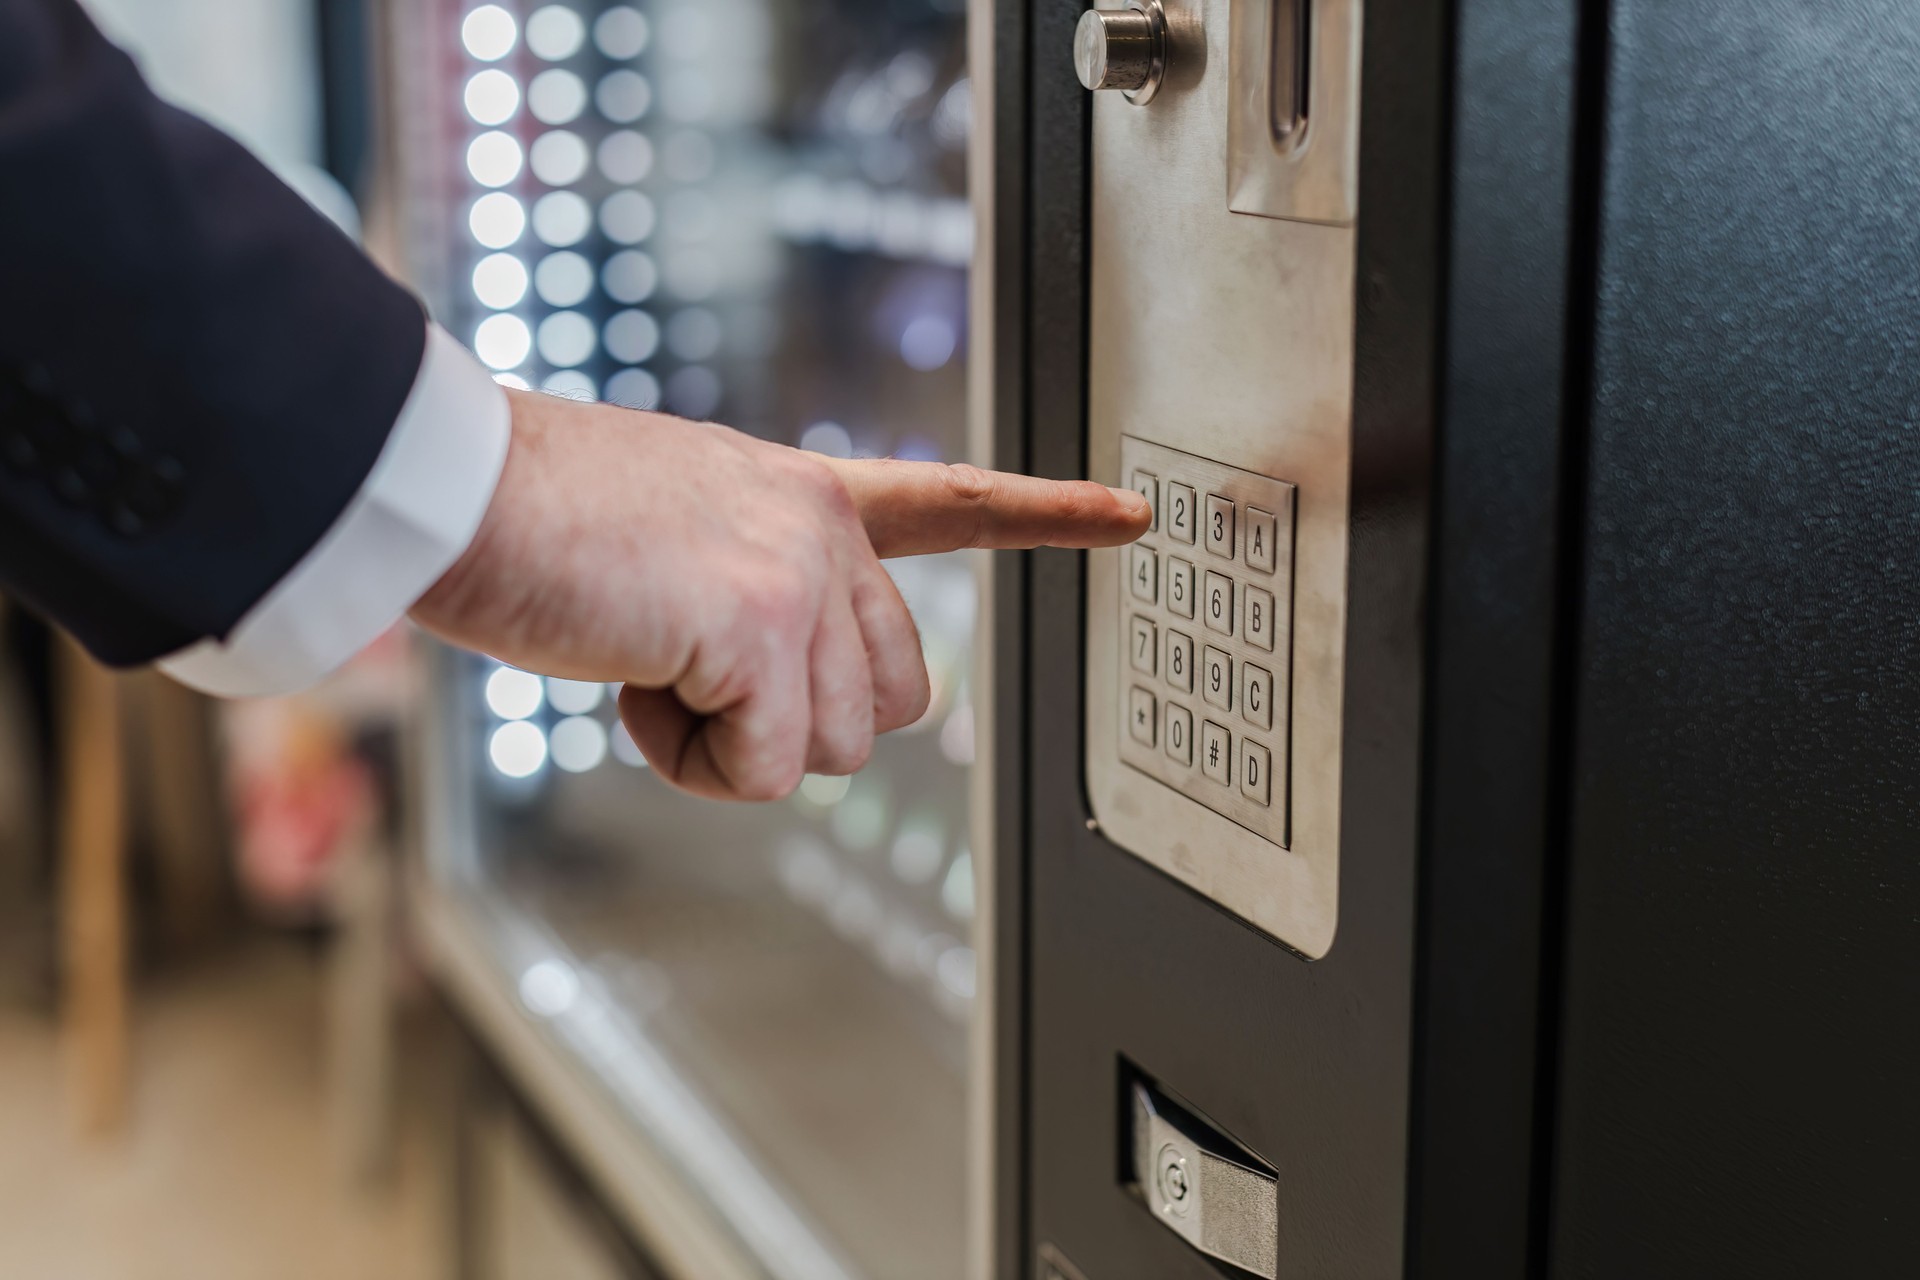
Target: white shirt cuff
[{"x": 414, "y": 516}]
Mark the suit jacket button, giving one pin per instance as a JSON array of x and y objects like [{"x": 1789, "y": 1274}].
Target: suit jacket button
[
  {"x": 124, "y": 442},
  {"x": 36, "y": 379},
  {"x": 70, "y": 488},
  {"x": 125, "y": 522},
  {"x": 20, "y": 452}
]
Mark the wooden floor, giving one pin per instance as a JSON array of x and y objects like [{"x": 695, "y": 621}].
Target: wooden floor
[{"x": 224, "y": 1169}]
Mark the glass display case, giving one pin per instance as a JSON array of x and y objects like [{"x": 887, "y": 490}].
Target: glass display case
[{"x": 751, "y": 211}]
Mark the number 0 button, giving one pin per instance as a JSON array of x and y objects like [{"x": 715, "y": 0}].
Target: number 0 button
[{"x": 1180, "y": 734}]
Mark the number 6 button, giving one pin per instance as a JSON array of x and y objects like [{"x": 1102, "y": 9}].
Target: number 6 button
[{"x": 1217, "y": 603}]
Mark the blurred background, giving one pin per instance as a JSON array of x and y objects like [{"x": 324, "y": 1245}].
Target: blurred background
[{"x": 422, "y": 973}]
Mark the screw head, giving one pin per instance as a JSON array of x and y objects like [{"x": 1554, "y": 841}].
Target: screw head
[{"x": 1170, "y": 1176}]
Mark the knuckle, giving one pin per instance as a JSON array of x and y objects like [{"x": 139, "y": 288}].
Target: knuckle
[{"x": 967, "y": 483}]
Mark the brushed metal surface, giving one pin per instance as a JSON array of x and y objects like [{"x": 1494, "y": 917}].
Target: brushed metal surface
[
  {"x": 1309, "y": 168},
  {"x": 1230, "y": 338}
]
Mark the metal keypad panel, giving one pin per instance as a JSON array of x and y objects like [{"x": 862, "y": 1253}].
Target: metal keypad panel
[{"x": 1207, "y": 618}]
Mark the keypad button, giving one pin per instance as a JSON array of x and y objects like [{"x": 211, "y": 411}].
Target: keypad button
[
  {"x": 1216, "y": 753},
  {"x": 1147, "y": 485},
  {"x": 1180, "y": 586},
  {"x": 1220, "y": 525},
  {"x": 1255, "y": 763},
  {"x": 1179, "y": 734},
  {"x": 1142, "y": 716},
  {"x": 1216, "y": 678},
  {"x": 1261, "y": 531},
  {"x": 1181, "y": 516},
  {"x": 1256, "y": 695},
  {"x": 1180, "y": 661},
  {"x": 1146, "y": 574},
  {"x": 1216, "y": 603},
  {"x": 1259, "y": 625},
  {"x": 1144, "y": 646}
]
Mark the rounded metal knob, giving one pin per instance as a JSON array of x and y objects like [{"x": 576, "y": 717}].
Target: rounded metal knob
[{"x": 1123, "y": 49}]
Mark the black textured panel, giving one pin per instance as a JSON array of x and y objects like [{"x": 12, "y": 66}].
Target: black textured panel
[{"x": 1739, "y": 1050}]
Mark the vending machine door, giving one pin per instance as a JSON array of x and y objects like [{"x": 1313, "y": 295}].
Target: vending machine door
[{"x": 750, "y": 1025}]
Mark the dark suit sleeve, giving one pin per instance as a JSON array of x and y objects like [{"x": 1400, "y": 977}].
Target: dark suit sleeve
[{"x": 197, "y": 371}]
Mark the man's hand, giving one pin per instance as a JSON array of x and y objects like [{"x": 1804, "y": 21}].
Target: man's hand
[{"x": 733, "y": 585}]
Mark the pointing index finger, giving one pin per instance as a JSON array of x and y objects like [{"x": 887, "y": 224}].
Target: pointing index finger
[{"x": 918, "y": 508}]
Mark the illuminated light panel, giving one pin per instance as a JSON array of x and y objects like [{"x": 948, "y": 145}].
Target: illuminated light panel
[
  {"x": 928, "y": 342},
  {"x": 497, "y": 220},
  {"x": 563, "y": 279},
  {"x": 499, "y": 281},
  {"x": 623, "y": 96},
  {"x": 955, "y": 970},
  {"x": 625, "y": 749},
  {"x": 566, "y": 339},
  {"x": 694, "y": 334},
  {"x": 956, "y": 891},
  {"x": 561, "y": 218},
  {"x": 513, "y": 694},
  {"x": 549, "y": 986},
  {"x": 859, "y": 821},
  {"x": 829, "y": 438},
  {"x": 517, "y": 749},
  {"x": 633, "y": 389},
  {"x": 693, "y": 274},
  {"x": 855, "y": 913},
  {"x": 578, "y": 744},
  {"x": 685, "y": 32},
  {"x": 627, "y": 217},
  {"x": 625, "y": 156},
  {"x": 631, "y": 337},
  {"x": 917, "y": 851},
  {"x": 621, "y": 33},
  {"x": 693, "y": 392},
  {"x": 502, "y": 341},
  {"x": 629, "y": 276},
  {"x": 559, "y": 158},
  {"x": 571, "y": 383},
  {"x": 687, "y": 95},
  {"x": 574, "y": 697},
  {"x": 822, "y": 790},
  {"x": 556, "y": 96},
  {"x": 489, "y": 32},
  {"x": 492, "y": 97},
  {"x": 555, "y": 31},
  {"x": 688, "y": 156},
  {"x": 494, "y": 159}
]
